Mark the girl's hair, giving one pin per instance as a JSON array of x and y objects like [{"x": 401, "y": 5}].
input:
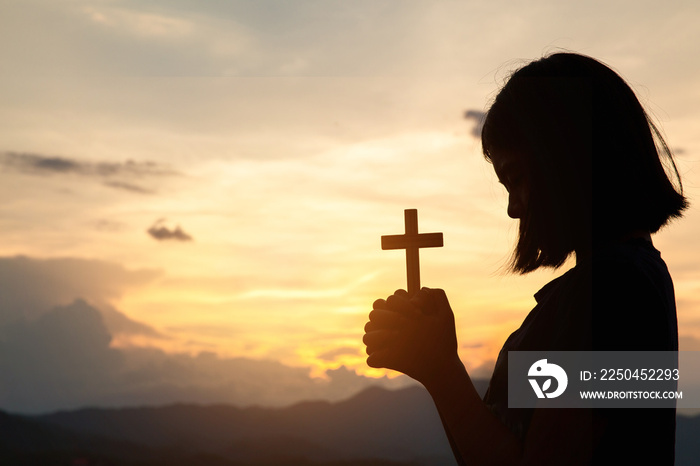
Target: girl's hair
[{"x": 590, "y": 155}]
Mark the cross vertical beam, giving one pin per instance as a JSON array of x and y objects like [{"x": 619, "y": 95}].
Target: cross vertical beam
[
  {"x": 410, "y": 218},
  {"x": 411, "y": 241}
]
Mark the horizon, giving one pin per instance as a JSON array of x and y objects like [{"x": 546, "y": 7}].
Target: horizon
[{"x": 194, "y": 193}]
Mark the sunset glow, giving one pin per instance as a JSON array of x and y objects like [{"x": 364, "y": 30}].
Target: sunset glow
[{"x": 270, "y": 150}]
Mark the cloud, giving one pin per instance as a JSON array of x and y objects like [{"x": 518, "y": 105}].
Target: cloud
[
  {"x": 120, "y": 324},
  {"x": 63, "y": 360},
  {"x": 483, "y": 371},
  {"x": 114, "y": 174},
  {"x": 107, "y": 225},
  {"x": 478, "y": 116},
  {"x": 31, "y": 287},
  {"x": 57, "y": 334},
  {"x": 162, "y": 233},
  {"x": 688, "y": 343},
  {"x": 333, "y": 354},
  {"x": 128, "y": 187},
  {"x": 157, "y": 378},
  {"x": 36, "y": 164},
  {"x": 141, "y": 24},
  {"x": 62, "y": 356}
]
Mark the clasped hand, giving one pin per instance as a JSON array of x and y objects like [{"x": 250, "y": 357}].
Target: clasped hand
[{"x": 415, "y": 335}]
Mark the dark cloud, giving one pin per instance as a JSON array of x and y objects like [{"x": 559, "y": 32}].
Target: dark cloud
[
  {"x": 62, "y": 358},
  {"x": 128, "y": 187},
  {"x": 472, "y": 346},
  {"x": 160, "y": 232},
  {"x": 56, "y": 360},
  {"x": 119, "y": 323},
  {"x": 42, "y": 164},
  {"x": 478, "y": 116},
  {"x": 116, "y": 175},
  {"x": 30, "y": 287}
]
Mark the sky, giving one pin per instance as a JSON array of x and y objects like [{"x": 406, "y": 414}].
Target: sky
[{"x": 193, "y": 192}]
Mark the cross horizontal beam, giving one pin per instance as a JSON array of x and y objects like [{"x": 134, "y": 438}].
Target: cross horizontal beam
[{"x": 423, "y": 240}]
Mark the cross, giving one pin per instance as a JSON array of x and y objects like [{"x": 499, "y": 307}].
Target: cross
[{"x": 411, "y": 242}]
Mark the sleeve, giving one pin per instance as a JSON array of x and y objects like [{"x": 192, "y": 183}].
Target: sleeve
[
  {"x": 631, "y": 311},
  {"x": 634, "y": 310}
]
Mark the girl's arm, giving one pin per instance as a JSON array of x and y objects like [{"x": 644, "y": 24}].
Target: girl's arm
[{"x": 417, "y": 337}]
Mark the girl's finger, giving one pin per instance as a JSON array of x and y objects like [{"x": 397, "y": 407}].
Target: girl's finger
[
  {"x": 401, "y": 304},
  {"x": 379, "y": 304},
  {"x": 377, "y": 340},
  {"x": 380, "y": 359},
  {"x": 381, "y": 318}
]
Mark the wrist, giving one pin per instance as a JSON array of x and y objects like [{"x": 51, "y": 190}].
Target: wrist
[{"x": 445, "y": 373}]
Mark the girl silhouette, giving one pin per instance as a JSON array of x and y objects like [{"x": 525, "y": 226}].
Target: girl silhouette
[{"x": 584, "y": 169}]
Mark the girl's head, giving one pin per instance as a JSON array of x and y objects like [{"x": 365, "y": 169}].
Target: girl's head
[{"x": 580, "y": 158}]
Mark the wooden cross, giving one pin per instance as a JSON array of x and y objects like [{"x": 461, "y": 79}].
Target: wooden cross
[{"x": 411, "y": 242}]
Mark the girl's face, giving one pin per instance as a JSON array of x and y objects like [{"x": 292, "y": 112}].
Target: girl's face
[{"x": 513, "y": 177}]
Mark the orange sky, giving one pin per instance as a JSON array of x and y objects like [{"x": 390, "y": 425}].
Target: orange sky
[{"x": 285, "y": 141}]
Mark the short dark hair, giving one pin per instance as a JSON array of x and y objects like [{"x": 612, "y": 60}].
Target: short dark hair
[{"x": 591, "y": 154}]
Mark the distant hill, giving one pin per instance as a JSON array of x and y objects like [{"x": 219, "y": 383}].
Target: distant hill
[
  {"x": 377, "y": 427},
  {"x": 27, "y": 441}
]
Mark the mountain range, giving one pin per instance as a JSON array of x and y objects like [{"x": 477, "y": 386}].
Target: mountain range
[{"x": 377, "y": 427}]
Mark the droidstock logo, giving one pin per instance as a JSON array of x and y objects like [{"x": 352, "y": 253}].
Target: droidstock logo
[{"x": 546, "y": 372}]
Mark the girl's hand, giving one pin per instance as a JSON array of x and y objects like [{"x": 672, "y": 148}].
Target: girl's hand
[{"x": 415, "y": 336}]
